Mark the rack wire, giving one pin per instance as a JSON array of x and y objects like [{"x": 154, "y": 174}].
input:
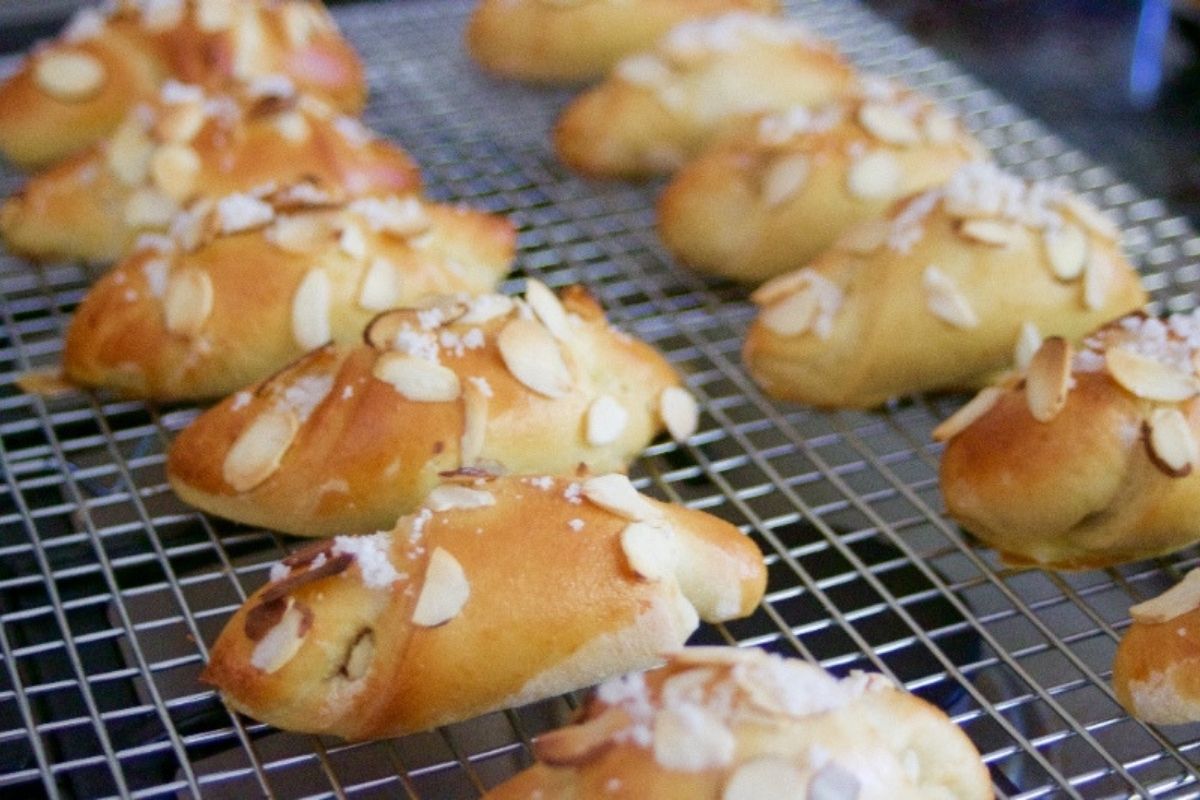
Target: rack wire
[{"x": 111, "y": 589}]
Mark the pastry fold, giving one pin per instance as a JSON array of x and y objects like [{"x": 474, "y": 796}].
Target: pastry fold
[
  {"x": 936, "y": 295},
  {"x": 464, "y": 384},
  {"x": 247, "y": 285},
  {"x": 501, "y": 591}
]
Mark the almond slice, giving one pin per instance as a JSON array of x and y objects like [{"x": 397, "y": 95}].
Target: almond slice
[
  {"x": 1098, "y": 276},
  {"x": 962, "y": 419},
  {"x": 875, "y": 176},
  {"x": 281, "y": 643},
  {"x": 615, "y": 493},
  {"x": 292, "y": 126},
  {"x": 1170, "y": 443},
  {"x": 299, "y": 234},
  {"x": 989, "y": 231},
  {"x": 834, "y": 782},
  {"x": 487, "y": 307},
  {"x": 1029, "y": 339},
  {"x": 381, "y": 286},
  {"x": 548, "y": 308},
  {"x": 781, "y": 286},
  {"x": 179, "y": 123},
  {"x": 1048, "y": 379},
  {"x": 214, "y": 15},
  {"x": 889, "y": 124},
  {"x": 70, "y": 76},
  {"x": 1149, "y": 378},
  {"x": 475, "y": 418},
  {"x": 162, "y": 15},
  {"x": 693, "y": 743},
  {"x": 452, "y": 497},
  {"x": 650, "y": 549},
  {"x": 578, "y": 744},
  {"x": 129, "y": 152},
  {"x": 865, "y": 238},
  {"x": 444, "y": 592},
  {"x": 149, "y": 208},
  {"x": 353, "y": 242},
  {"x": 532, "y": 356},
  {"x": 939, "y": 127},
  {"x": 765, "y": 778},
  {"x": 605, "y": 421},
  {"x": 362, "y": 652},
  {"x": 174, "y": 168},
  {"x": 188, "y": 301},
  {"x": 945, "y": 301},
  {"x": 417, "y": 379},
  {"x": 783, "y": 178},
  {"x": 310, "y": 310},
  {"x": 1092, "y": 218},
  {"x": 1067, "y": 251},
  {"x": 679, "y": 412},
  {"x": 792, "y": 316},
  {"x": 1182, "y": 598},
  {"x": 258, "y": 451}
]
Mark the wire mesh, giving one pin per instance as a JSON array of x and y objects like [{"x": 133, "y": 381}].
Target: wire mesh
[{"x": 111, "y": 589}]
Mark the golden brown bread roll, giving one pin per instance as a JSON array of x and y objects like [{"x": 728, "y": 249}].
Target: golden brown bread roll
[
  {"x": 720, "y": 723},
  {"x": 564, "y": 41},
  {"x": 1156, "y": 672},
  {"x": 470, "y": 382},
  {"x": 935, "y": 295},
  {"x": 499, "y": 592},
  {"x": 1085, "y": 459},
  {"x": 71, "y": 92},
  {"x": 773, "y": 196},
  {"x": 246, "y": 285},
  {"x": 659, "y": 108},
  {"x": 185, "y": 145}
]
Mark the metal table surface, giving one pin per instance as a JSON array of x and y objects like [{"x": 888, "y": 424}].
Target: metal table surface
[{"x": 111, "y": 590}]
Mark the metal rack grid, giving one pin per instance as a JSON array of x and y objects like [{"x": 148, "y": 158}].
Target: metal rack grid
[{"x": 111, "y": 589}]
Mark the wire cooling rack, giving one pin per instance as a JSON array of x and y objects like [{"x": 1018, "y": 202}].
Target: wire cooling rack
[{"x": 111, "y": 590}]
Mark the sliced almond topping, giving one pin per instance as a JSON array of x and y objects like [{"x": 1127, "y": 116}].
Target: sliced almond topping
[
  {"x": 214, "y": 15},
  {"x": 149, "y": 208},
  {"x": 781, "y": 286},
  {"x": 358, "y": 660},
  {"x": 616, "y": 494},
  {"x": 241, "y": 212},
  {"x": 381, "y": 287},
  {"x": 989, "y": 231},
  {"x": 281, "y": 643},
  {"x": 179, "y": 123},
  {"x": 650, "y": 549},
  {"x": 679, "y": 412},
  {"x": 962, "y": 419},
  {"x": 939, "y": 127},
  {"x": 945, "y": 301},
  {"x": 300, "y": 234},
  {"x": 452, "y": 497},
  {"x": 548, "y": 308},
  {"x": 875, "y": 176},
  {"x": 1170, "y": 442},
  {"x": 888, "y": 124},
  {"x": 533, "y": 357},
  {"x": 475, "y": 418},
  {"x": 399, "y": 216},
  {"x": 129, "y": 152},
  {"x": 1048, "y": 379},
  {"x": 792, "y": 316},
  {"x": 1067, "y": 251},
  {"x": 71, "y": 76},
  {"x": 188, "y": 301},
  {"x": 578, "y": 744},
  {"x": 174, "y": 168},
  {"x": 606, "y": 421},
  {"x": 292, "y": 126},
  {"x": 783, "y": 178},
  {"x": 1097, "y": 279},
  {"x": 1182, "y": 598},
  {"x": 1149, "y": 378},
  {"x": 162, "y": 15},
  {"x": 1029, "y": 339},
  {"x": 417, "y": 379},
  {"x": 310, "y": 310},
  {"x": 690, "y": 744},
  {"x": 1092, "y": 218},
  {"x": 445, "y": 591},
  {"x": 487, "y": 307},
  {"x": 301, "y": 22},
  {"x": 258, "y": 451},
  {"x": 353, "y": 242},
  {"x": 766, "y": 778},
  {"x": 865, "y": 238},
  {"x": 834, "y": 782}
]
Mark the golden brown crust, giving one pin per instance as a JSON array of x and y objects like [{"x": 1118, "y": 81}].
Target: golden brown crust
[
  {"x": 1156, "y": 672},
  {"x": 273, "y": 293},
  {"x": 566, "y": 42},
  {"x": 552, "y": 607},
  {"x": 94, "y": 205},
  {"x": 657, "y": 109},
  {"x": 132, "y": 57},
  {"x": 928, "y": 305}
]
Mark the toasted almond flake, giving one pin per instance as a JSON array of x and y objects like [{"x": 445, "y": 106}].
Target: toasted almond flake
[
  {"x": 310, "y": 310},
  {"x": 381, "y": 287},
  {"x": 180, "y": 123},
  {"x": 149, "y": 208},
  {"x": 1092, "y": 218},
  {"x": 606, "y": 421},
  {"x": 70, "y": 76},
  {"x": 548, "y": 308},
  {"x": 989, "y": 231},
  {"x": 865, "y": 238},
  {"x": 783, "y": 178},
  {"x": 475, "y": 418},
  {"x": 615, "y": 493},
  {"x": 1067, "y": 251},
  {"x": 792, "y": 316},
  {"x": 174, "y": 168},
  {"x": 1048, "y": 379},
  {"x": 1029, "y": 339},
  {"x": 417, "y": 379},
  {"x": 939, "y": 127},
  {"x": 292, "y": 126},
  {"x": 889, "y": 124},
  {"x": 834, "y": 782},
  {"x": 1182, "y": 598},
  {"x": 690, "y": 744},
  {"x": 301, "y": 22},
  {"x": 766, "y": 778},
  {"x": 353, "y": 242},
  {"x": 452, "y": 497},
  {"x": 577, "y": 744},
  {"x": 299, "y": 234},
  {"x": 398, "y": 216},
  {"x": 1098, "y": 276},
  {"x": 962, "y": 419},
  {"x": 241, "y": 212},
  {"x": 532, "y": 356},
  {"x": 679, "y": 412},
  {"x": 945, "y": 301},
  {"x": 650, "y": 549},
  {"x": 487, "y": 307},
  {"x": 162, "y": 15},
  {"x": 781, "y": 286},
  {"x": 259, "y": 449},
  {"x": 1170, "y": 442},
  {"x": 445, "y": 590},
  {"x": 251, "y": 55},
  {"x": 188, "y": 301},
  {"x": 358, "y": 660},
  {"x": 281, "y": 643},
  {"x": 129, "y": 152},
  {"x": 214, "y": 15},
  {"x": 875, "y": 176},
  {"x": 1149, "y": 378}
]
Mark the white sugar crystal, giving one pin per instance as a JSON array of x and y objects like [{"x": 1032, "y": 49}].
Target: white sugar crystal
[
  {"x": 417, "y": 344},
  {"x": 279, "y": 571},
  {"x": 306, "y": 393},
  {"x": 240, "y": 212},
  {"x": 241, "y": 400},
  {"x": 420, "y": 520},
  {"x": 786, "y": 125},
  {"x": 156, "y": 271},
  {"x": 371, "y": 554},
  {"x": 275, "y": 85},
  {"x": 353, "y": 131},
  {"x": 987, "y": 190},
  {"x": 159, "y": 243},
  {"x": 574, "y": 493},
  {"x": 431, "y": 318},
  {"x": 174, "y": 92},
  {"x": 543, "y": 482},
  {"x": 87, "y": 23},
  {"x": 575, "y": 524},
  {"x": 482, "y": 385},
  {"x": 347, "y": 391},
  {"x": 732, "y": 31}
]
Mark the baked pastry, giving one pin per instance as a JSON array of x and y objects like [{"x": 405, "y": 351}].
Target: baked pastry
[
  {"x": 730, "y": 724},
  {"x": 247, "y": 284},
  {"x": 771, "y": 197},
  {"x": 1156, "y": 672},
  {"x": 187, "y": 144},
  {"x": 348, "y": 438},
  {"x": 659, "y": 108},
  {"x": 1099, "y": 445},
  {"x": 499, "y": 592},
  {"x": 73, "y": 91},
  {"x": 934, "y": 296},
  {"x": 578, "y": 40}
]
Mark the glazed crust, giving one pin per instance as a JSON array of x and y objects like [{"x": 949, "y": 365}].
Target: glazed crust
[
  {"x": 294, "y": 37},
  {"x": 547, "y": 42},
  {"x": 1156, "y": 672},
  {"x": 368, "y": 453},
  {"x": 119, "y": 338},
  {"x": 554, "y": 610}
]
